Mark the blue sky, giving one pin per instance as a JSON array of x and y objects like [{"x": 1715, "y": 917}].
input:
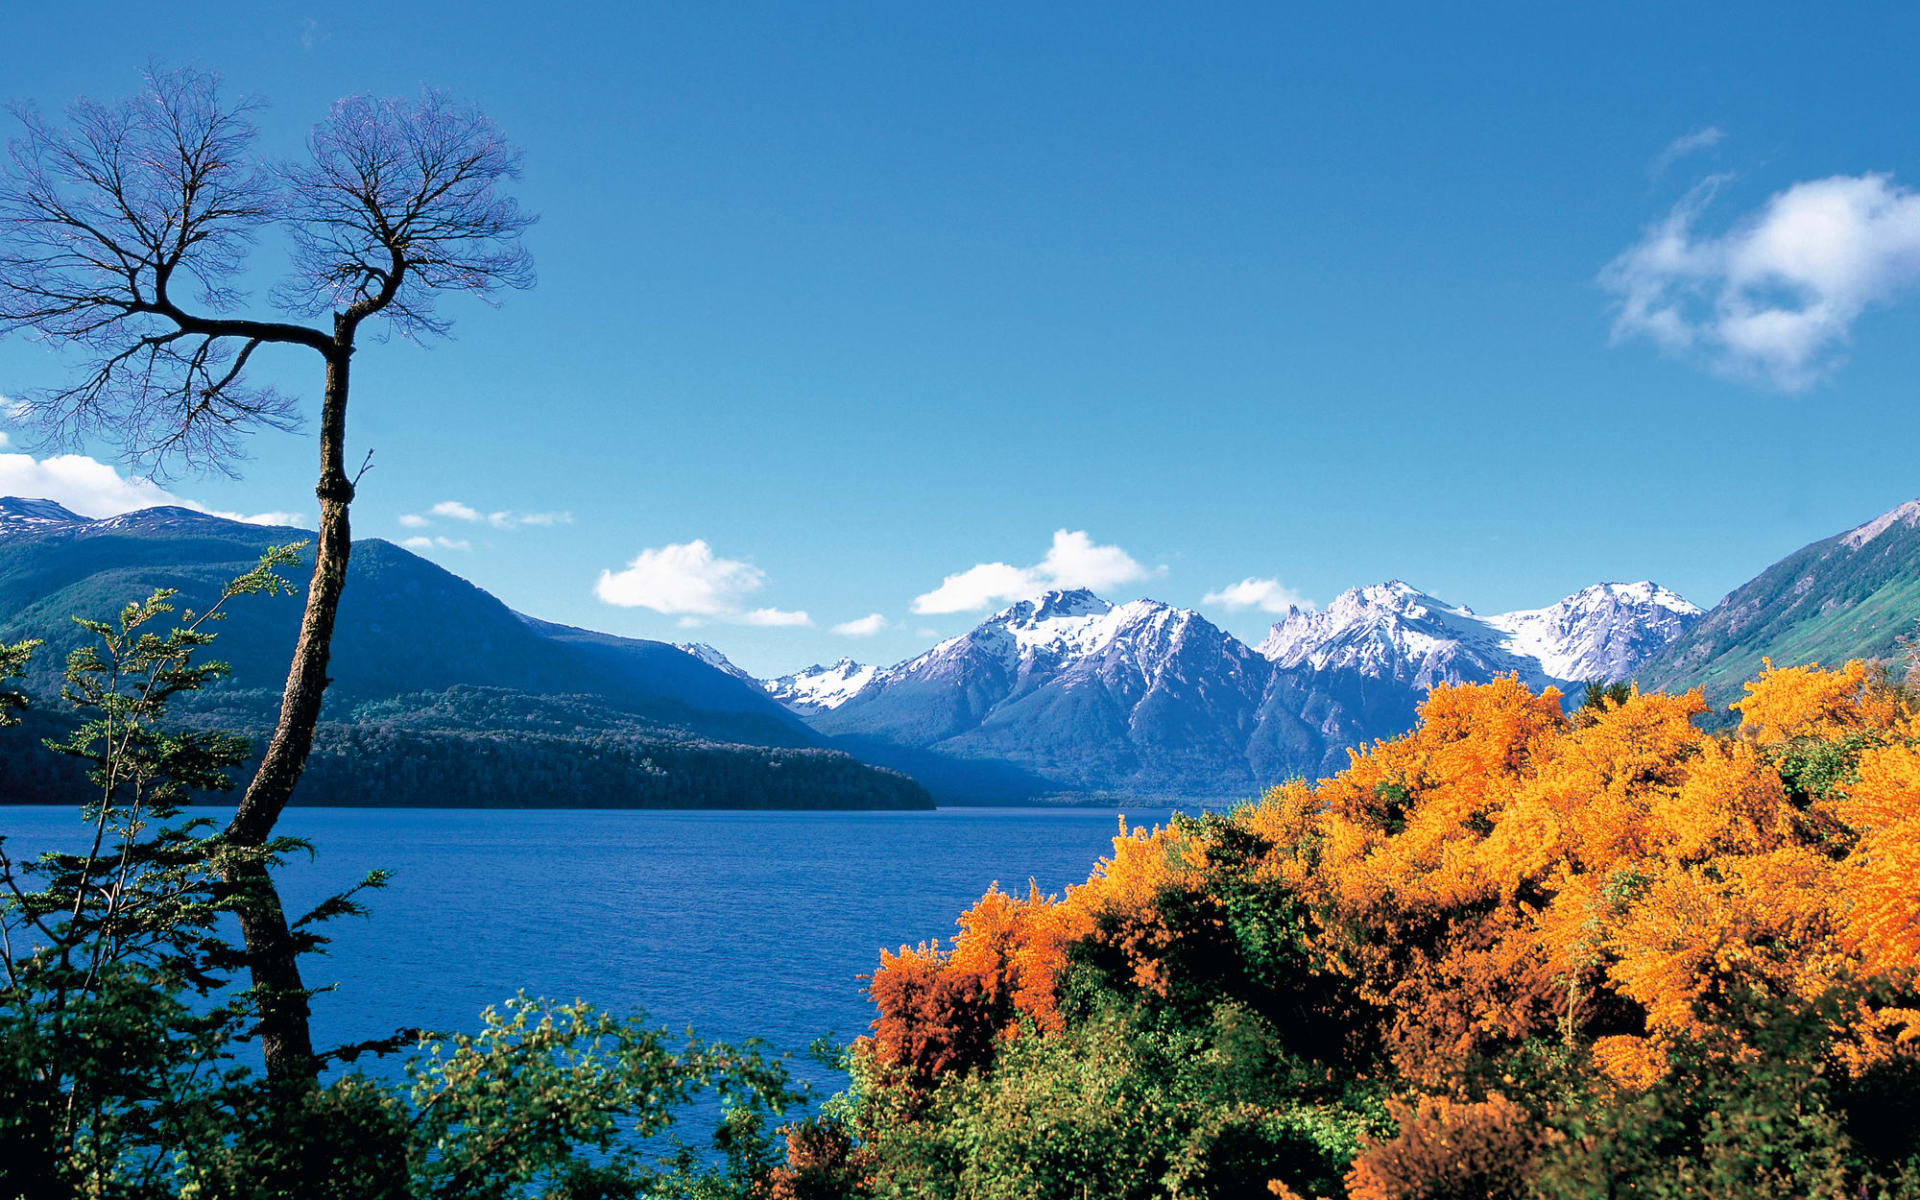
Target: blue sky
[{"x": 1501, "y": 301}]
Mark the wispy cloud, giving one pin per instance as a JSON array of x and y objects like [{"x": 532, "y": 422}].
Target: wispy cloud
[
  {"x": 688, "y": 580},
  {"x": 1704, "y": 138},
  {"x": 436, "y": 543},
  {"x": 775, "y": 617},
  {"x": 865, "y": 626},
  {"x": 514, "y": 520},
  {"x": 455, "y": 510},
  {"x": 1073, "y": 561},
  {"x": 1773, "y": 298},
  {"x": 1266, "y": 595}
]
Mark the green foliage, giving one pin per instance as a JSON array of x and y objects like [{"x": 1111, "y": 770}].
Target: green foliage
[
  {"x": 1131, "y": 1102},
  {"x": 13, "y": 664},
  {"x": 544, "y": 1100},
  {"x": 116, "y": 1010},
  {"x": 1812, "y": 768},
  {"x": 1599, "y": 693},
  {"x": 122, "y": 1031},
  {"x": 1726, "y": 1122}
]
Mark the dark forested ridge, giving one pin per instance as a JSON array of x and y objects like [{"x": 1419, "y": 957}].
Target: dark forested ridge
[{"x": 442, "y": 696}]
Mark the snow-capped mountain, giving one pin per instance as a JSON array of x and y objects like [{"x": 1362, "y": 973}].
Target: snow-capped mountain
[
  {"x": 1601, "y": 632},
  {"x": 819, "y": 688},
  {"x": 1085, "y": 695},
  {"x": 811, "y": 690},
  {"x": 1394, "y": 630},
  {"x": 19, "y": 514},
  {"x": 713, "y": 658}
]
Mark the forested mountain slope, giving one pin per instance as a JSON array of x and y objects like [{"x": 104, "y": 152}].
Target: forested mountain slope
[
  {"x": 441, "y": 694},
  {"x": 1848, "y": 596}
]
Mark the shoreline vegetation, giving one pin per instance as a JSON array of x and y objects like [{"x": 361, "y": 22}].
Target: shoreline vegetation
[
  {"x": 1520, "y": 952},
  {"x": 1514, "y": 953}
]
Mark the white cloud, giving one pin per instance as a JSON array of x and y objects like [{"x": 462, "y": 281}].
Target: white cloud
[
  {"x": 775, "y": 617},
  {"x": 455, "y": 510},
  {"x": 682, "y": 578},
  {"x": 690, "y": 581},
  {"x": 1704, "y": 138},
  {"x": 417, "y": 543},
  {"x": 5, "y": 440},
  {"x": 865, "y": 626},
  {"x": 978, "y": 587},
  {"x": 413, "y": 521},
  {"x": 1775, "y": 296},
  {"x": 1073, "y": 561},
  {"x": 96, "y": 489},
  {"x": 85, "y": 485},
  {"x": 297, "y": 520},
  {"x": 1267, "y": 595}
]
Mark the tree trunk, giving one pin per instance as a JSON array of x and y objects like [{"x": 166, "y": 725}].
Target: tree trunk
[{"x": 285, "y": 1038}]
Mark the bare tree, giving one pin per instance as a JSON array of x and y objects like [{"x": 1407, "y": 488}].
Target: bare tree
[{"x": 124, "y": 237}]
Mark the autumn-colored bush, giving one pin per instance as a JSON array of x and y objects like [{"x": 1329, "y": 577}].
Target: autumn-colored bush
[
  {"x": 823, "y": 1163},
  {"x": 1481, "y": 942},
  {"x": 1446, "y": 1150}
]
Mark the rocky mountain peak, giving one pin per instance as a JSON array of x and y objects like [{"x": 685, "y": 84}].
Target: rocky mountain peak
[
  {"x": 1053, "y": 605},
  {"x": 1907, "y": 515}
]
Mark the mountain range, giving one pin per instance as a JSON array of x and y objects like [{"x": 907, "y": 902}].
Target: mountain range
[
  {"x": 441, "y": 694},
  {"x": 444, "y": 695},
  {"x": 1084, "y": 695}
]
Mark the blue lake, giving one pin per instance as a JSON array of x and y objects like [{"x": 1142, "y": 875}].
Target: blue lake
[{"x": 735, "y": 923}]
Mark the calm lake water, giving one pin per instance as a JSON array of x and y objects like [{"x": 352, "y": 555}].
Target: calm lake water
[{"x": 736, "y": 923}]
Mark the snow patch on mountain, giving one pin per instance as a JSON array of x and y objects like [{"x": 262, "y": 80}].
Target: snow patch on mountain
[
  {"x": 1396, "y": 630},
  {"x": 1600, "y": 632},
  {"x": 1392, "y": 630},
  {"x": 21, "y": 514},
  {"x": 819, "y": 687},
  {"x": 713, "y": 658}
]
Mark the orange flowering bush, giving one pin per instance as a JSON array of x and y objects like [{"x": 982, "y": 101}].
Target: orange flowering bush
[{"x": 1441, "y": 971}]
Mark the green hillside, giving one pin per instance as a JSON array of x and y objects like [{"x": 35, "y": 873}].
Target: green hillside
[
  {"x": 441, "y": 694},
  {"x": 1849, "y": 596}
]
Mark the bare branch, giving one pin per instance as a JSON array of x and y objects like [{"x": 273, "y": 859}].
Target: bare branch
[
  {"x": 109, "y": 228},
  {"x": 401, "y": 203}
]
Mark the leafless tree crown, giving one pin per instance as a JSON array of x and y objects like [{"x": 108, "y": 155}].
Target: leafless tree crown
[
  {"x": 400, "y": 203},
  {"x": 124, "y": 234}
]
